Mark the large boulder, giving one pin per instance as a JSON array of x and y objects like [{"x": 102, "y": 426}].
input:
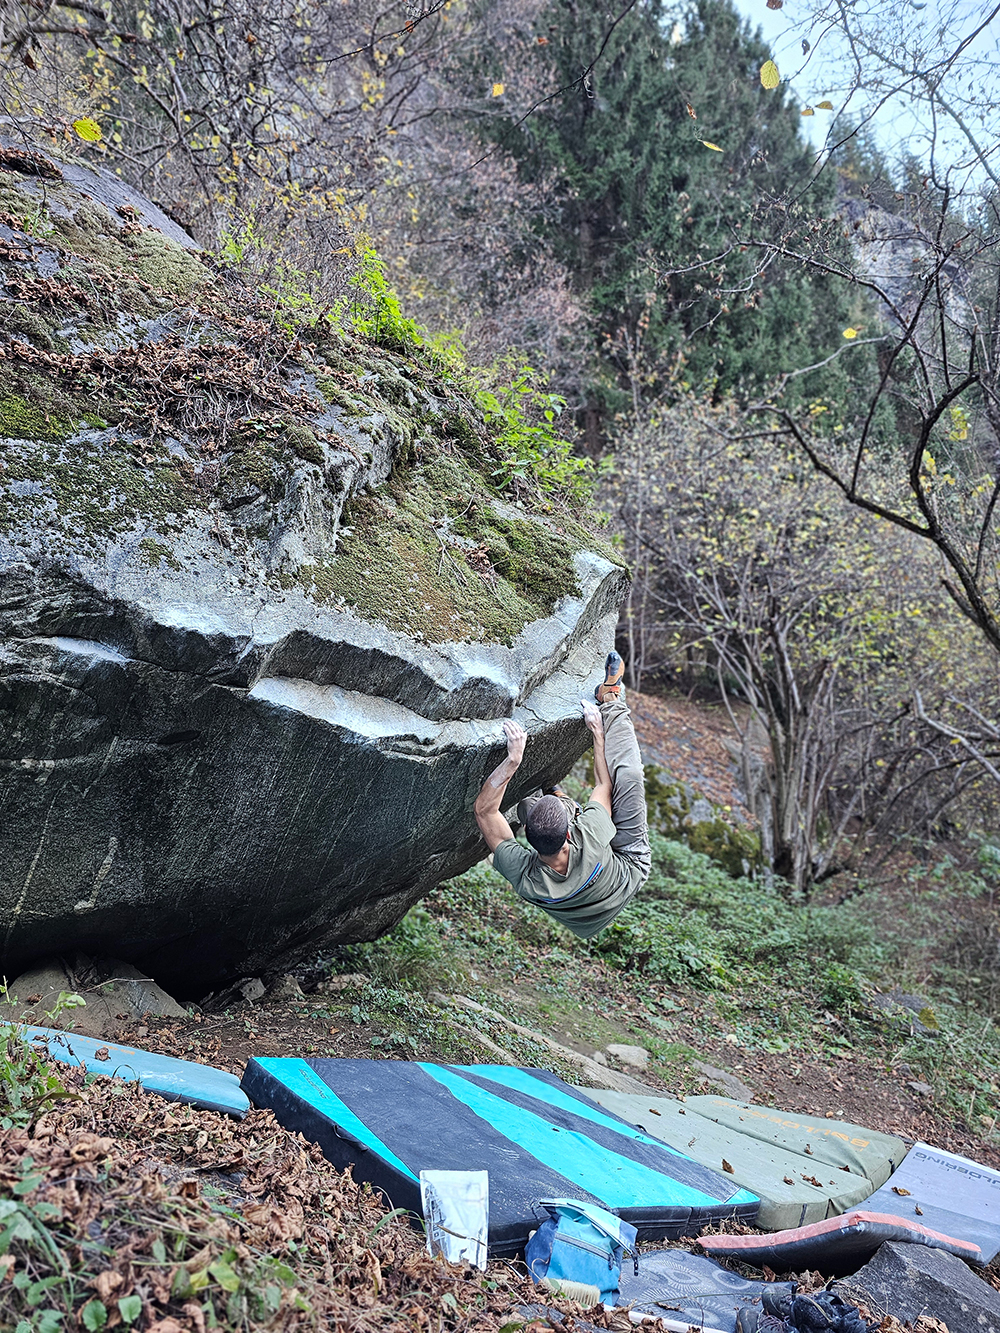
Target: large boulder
[{"x": 262, "y": 605}]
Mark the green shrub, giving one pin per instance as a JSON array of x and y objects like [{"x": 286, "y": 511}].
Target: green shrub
[{"x": 27, "y": 1085}]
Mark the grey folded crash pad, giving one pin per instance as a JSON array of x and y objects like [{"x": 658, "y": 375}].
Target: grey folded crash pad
[
  {"x": 946, "y": 1193},
  {"x": 765, "y": 1150},
  {"x": 674, "y": 1284}
]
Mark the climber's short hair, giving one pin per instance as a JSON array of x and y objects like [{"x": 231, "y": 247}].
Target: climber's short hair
[{"x": 546, "y": 825}]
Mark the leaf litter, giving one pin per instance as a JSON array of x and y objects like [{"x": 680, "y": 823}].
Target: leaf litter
[{"x": 123, "y": 1210}]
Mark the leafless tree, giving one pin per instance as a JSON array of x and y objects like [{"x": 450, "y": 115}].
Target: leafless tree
[{"x": 811, "y": 617}]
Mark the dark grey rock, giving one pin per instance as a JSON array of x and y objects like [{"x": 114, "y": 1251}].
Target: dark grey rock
[
  {"x": 908, "y": 1281},
  {"x": 921, "y": 1089},
  {"x": 903, "y": 1012},
  {"x": 724, "y": 1080},
  {"x": 285, "y": 990}
]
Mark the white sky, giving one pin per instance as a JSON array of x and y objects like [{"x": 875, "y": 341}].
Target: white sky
[{"x": 971, "y": 85}]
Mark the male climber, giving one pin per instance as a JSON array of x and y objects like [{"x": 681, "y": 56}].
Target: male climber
[{"x": 587, "y": 864}]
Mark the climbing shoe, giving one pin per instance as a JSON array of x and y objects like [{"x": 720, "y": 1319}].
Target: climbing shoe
[{"x": 614, "y": 670}]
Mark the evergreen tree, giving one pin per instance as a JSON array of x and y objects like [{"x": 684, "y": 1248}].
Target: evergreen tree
[{"x": 652, "y": 214}]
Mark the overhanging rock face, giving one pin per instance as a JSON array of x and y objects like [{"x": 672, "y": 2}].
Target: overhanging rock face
[
  {"x": 255, "y": 640},
  {"x": 155, "y": 809}
]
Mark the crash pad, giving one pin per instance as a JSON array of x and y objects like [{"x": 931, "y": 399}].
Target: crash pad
[
  {"x": 837, "y": 1246},
  {"x": 954, "y": 1195},
  {"x": 535, "y": 1135},
  {"x": 176, "y": 1080},
  {"x": 674, "y": 1284},
  {"x": 795, "y": 1187},
  {"x": 837, "y": 1143}
]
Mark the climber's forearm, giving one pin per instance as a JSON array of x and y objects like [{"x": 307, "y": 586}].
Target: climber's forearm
[
  {"x": 490, "y": 799},
  {"x": 602, "y": 774}
]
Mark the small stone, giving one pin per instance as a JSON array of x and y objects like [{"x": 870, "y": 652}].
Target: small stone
[
  {"x": 728, "y": 1083},
  {"x": 904, "y": 1070},
  {"x": 922, "y": 1089},
  {"x": 252, "y": 989},
  {"x": 636, "y": 1057},
  {"x": 343, "y": 981},
  {"x": 285, "y": 989},
  {"x": 599, "y": 1058}
]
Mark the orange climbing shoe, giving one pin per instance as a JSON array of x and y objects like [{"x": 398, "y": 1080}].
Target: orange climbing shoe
[{"x": 614, "y": 670}]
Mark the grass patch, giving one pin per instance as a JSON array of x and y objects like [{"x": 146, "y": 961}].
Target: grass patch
[{"x": 700, "y": 953}]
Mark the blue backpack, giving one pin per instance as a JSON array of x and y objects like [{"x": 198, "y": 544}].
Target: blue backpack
[{"x": 578, "y": 1250}]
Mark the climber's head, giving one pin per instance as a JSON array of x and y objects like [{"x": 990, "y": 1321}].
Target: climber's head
[{"x": 546, "y": 825}]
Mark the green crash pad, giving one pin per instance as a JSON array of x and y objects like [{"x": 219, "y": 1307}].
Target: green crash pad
[
  {"x": 833, "y": 1142},
  {"x": 765, "y": 1151}
]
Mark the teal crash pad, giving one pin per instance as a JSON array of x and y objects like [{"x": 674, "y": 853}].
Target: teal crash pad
[
  {"x": 176, "y": 1080},
  {"x": 765, "y": 1153}
]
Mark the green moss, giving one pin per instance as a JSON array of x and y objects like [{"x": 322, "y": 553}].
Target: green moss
[
  {"x": 97, "y": 489},
  {"x": 257, "y": 462},
  {"x": 734, "y": 847},
  {"x": 155, "y": 551},
  {"x": 147, "y": 255},
  {"x": 430, "y": 556},
  {"x": 21, "y": 420},
  {"x": 303, "y": 442},
  {"x": 22, "y": 322}
]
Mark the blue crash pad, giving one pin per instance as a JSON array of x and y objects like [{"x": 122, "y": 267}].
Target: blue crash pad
[
  {"x": 177, "y": 1080},
  {"x": 537, "y": 1136}
]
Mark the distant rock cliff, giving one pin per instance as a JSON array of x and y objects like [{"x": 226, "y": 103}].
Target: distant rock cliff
[{"x": 261, "y": 607}]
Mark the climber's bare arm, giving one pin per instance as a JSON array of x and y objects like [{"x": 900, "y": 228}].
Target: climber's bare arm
[
  {"x": 595, "y": 725},
  {"x": 489, "y": 802}
]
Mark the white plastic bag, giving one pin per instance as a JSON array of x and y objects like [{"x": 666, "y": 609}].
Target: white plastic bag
[{"x": 456, "y": 1208}]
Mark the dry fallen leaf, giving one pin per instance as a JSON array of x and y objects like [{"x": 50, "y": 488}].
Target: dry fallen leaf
[
  {"x": 726, "y": 1166},
  {"x": 690, "y": 110},
  {"x": 898, "y": 1189},
  {"x": 788, "y": 1180}
]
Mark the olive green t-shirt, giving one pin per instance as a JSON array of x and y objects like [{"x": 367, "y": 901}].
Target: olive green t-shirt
[{"x": 597, "y": 883}]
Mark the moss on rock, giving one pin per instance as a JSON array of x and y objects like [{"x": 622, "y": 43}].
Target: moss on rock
[
  {"x": 218, "y": 416},
  {"x": 431, "y": 555},
  {"x": 21, "y": 420}
]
